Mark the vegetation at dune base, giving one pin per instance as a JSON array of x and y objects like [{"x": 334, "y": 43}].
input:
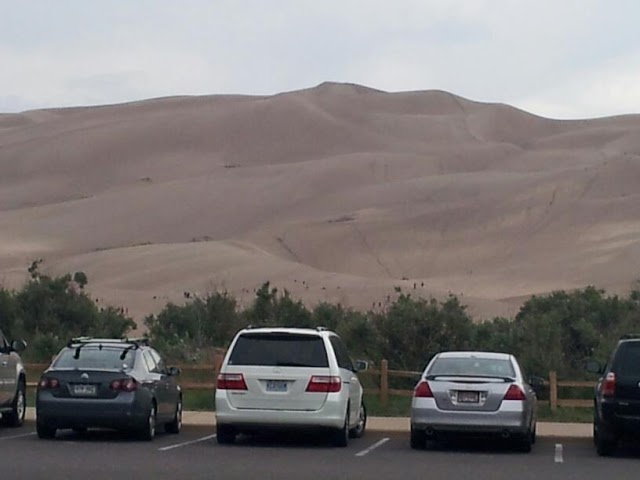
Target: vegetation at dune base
[{"x": 559, "y": 331}]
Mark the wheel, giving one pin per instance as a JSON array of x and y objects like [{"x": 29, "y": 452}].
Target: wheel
[
  {"x": 525, "y": 442},
  {"x": 340, "y": 437},
  {"x": 148, "y": 432},
  {"x": 605, "y": 447},
  {"x": 15, "y": 417},
  {"x": 418, "y": 439},
  {"x": 176, "y": 424},
  {"x": 225, "y": 435},
  {"x": 358, "y": 430},
  {"x": 44, "y": 431}
]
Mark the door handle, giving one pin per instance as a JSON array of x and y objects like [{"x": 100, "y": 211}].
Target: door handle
[{"x": 4, "y": 363}]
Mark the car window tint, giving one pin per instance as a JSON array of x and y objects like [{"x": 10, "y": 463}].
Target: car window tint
[
  {"x": 150, "y": 362},
  {"x": 107, "y": 358},
  {"x": 627, "y": 361},
  {"x": 3, "y": 341},
  {"x": 276, "y": 349},
  {"x": 342, "y": 355},
  {"x": 160, "y": 366},
  {"x": 488, "y": 367}
]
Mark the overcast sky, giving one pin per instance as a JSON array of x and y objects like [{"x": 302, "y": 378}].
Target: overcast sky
[{"x": 555, "y": 58}]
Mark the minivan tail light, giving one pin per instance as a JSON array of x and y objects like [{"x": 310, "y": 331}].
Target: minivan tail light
[
  {"x": 231, "y": 381},
  {"x": 324, "y": 384},
  {"x": 423, "y": 390},
  {"x": 124, "y": 385},
  {"x": 48, "y": 383},
  {"x": 514, "y": 393},
  {"x": 608, "y": 386}
]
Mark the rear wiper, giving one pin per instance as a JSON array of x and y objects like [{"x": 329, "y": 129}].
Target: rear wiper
[
  {"x": 501, "y": 377},
  {"x": 76, "y": 354}
]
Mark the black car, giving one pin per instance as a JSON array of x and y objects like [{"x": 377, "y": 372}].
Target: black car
[
  {"x": 617, "y": 396},
  {"x": 108, "y": 383}
]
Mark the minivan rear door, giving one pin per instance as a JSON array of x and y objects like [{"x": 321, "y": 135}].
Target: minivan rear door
[{"x": 277, "y": 367}]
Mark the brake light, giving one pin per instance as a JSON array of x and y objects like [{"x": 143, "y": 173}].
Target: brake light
[
  {"x": 48, "y": 383},
  {"x": 324, "y": 384},
  {"x": 231, "y": 381},
  {"x": 514, "y": 393},
  {"x": 608, "y": 385},
  {"x": 423, "y": 390},
  {"x": 124, "y": 385}
]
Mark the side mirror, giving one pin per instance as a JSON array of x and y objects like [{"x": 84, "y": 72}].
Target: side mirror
[
  {"x": 18, "y": 345},
  {"x": 536, "y": 382},
  {"x": 173, "y": 371},
  {"x": 594, "y": 367},
  {"x": 361, "y": 365}
]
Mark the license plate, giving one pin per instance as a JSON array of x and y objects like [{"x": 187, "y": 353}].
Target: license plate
[
  {"x": 84, "y": 390},
  {"x": 276, "y": 386},
  {"x": 468, "y": 397}
]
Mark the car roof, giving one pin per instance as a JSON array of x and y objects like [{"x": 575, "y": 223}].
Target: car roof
[
  {"x": 463, "y": 354},
  {"x": 293, "y": 330}
]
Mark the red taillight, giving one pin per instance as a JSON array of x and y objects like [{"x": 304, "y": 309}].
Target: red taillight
[
  {"x": 48, "y": 383},
  {"x": 324, "y": 384},
  {"x": 423, "y": 390},
  {"x": 231, "y": 381},
  {"x": 124, "y": 385},
  {"x": 608, "y": 386},
  {"x": 514, "y": 393}
]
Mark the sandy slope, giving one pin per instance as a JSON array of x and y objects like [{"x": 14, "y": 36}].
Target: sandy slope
[{"x": 351, "y": 190}]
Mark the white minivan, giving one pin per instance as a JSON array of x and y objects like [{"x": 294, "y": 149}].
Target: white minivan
[{"x": 284, "y": 378}]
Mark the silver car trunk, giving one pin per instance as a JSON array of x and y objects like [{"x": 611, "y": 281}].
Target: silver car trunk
[{"x": 468, "y": 393}]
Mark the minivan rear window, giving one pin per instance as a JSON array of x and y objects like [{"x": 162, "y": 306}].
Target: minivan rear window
[{"x": 279, "y": 350}]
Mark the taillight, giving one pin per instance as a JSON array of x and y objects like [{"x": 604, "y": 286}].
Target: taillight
[
  {"x": 324, "y": 384},
  {"x": 48, "y": 383},
  {"x": 608, "y": 385},
  {"x": 423, "y": 390},
  {"x": 124, "y": 385},
  {"x": 231, "y": 381},
  {"x": 514, "y": 393}
]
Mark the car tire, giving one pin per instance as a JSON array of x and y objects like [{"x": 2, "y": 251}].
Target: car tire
[
  {"x": 148, "y": 432},
  {"x": 44, "y": 431},
  {"x": 418, "y": 439},
  {"x": 358, "y": 430},
  {"x": 15, "y": 417},
  {"x": 605, "y": 447},
  {"x": 225, "y": 435},
  {"x": 176, "y": 424},
  {"x": 340, "y": 437},
  {"x": 525, "y": 442}
]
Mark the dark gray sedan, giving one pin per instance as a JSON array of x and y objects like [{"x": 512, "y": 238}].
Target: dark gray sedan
[
  {"x": 474, "y": 393},
  {"x": 108, "y": 383}
]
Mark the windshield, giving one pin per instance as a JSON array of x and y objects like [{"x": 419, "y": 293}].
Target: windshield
[
  {"x": 284, "y": 350},
  {"x": 472, "y": 366},
  {"x": 90, "y": 356}
]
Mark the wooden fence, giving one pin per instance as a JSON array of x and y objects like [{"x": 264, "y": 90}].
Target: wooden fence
[{"x": 203, "y": 377}]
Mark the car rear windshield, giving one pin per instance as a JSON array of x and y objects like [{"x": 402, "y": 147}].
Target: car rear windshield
[
  {"x": 107, "y": 358},
  {"x": 476, "y": 367},
  {"x": 277, "y": 349},
  {"x": 627, "y": 362}
]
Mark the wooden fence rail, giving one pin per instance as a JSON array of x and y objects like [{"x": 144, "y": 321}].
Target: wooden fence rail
[{"x": 205, "y": 378}]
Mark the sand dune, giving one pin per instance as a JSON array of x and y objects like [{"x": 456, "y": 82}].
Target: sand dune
[{"x": 352, "y": 190}]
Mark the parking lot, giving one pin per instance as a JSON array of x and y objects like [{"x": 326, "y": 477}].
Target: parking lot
[{"x": 195, "y": 454}]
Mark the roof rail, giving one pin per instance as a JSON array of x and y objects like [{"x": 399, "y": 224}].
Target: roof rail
[
  {"x": 320, "y": 328},
  {"x": 629, "y": 336}
]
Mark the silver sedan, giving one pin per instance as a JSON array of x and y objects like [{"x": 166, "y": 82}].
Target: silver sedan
[{"x": 474, "y": 393}]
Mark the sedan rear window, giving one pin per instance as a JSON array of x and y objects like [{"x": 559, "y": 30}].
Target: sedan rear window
[
  {"x": 470, "y": 366},
  {"x": 107, "y": 358},
  {"x": 283, "y": 350}
]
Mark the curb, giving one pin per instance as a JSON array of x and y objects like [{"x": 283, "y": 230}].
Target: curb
[{"x": 394, "y": 424}]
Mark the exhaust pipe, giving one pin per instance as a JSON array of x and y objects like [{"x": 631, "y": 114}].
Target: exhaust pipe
[{"x": 505, "y": 434}]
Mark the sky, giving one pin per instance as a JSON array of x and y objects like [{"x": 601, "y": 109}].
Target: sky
[{"x": 554, "y": 58}]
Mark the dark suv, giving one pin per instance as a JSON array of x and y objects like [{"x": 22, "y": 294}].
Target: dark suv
[
  {"x": 12, "y": 382},
  {"x": 617, "y": 396}
]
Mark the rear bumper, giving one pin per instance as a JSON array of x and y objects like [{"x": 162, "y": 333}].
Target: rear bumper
[
  {"x": 331, "y": 415},
  {"x": 124, "y": 411},
  {"x": 614, "y": 423},
  {"x": 510, "y": 419}
]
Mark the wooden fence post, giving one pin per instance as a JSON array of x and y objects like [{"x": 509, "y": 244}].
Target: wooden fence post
[
  {"x": 384, "y": 383},
  {"x": 553, "y": 390}
]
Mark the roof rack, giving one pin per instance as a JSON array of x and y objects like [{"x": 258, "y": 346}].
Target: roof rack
[{"x": 137, "y": 341}]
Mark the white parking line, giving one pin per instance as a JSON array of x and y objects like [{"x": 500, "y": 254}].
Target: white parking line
[
  {"x": 18, "y": 436},
  {"x": 558, "y": 454},
  {"x": 184, "y": 444},
  {"x": 372, "y": 447}
]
